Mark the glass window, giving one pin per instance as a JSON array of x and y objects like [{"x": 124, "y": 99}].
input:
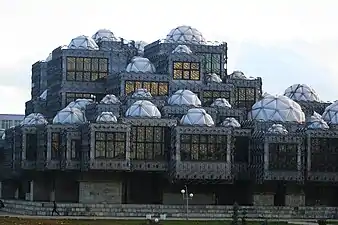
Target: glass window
[
  {"x": 71, "y": 96},
  {"x": 202, "y": 147},
  {"x": 86, "y": 69},
  {"x": 149, "y": 143},
  {"x": 211, "y": 62},
  {"x": 283, "y": 157},
  {"x": 210, "y": 96},
  {"x": 186, "y": 71},
  {"x": 155, "y": 88},
  {"x": 245, "y": 97},
  {"x": 324, "y": 155},
  {"x": 110, "y": 145},
  {"x": 56, "y": 146}
]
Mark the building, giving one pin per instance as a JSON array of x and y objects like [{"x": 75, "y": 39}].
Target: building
[
  {"x": 121, "y": 121},
  {"x": 9, "y": 120}
]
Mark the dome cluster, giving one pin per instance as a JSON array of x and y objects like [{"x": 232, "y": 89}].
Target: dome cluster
[
  {"x": 140, "y": 65},
  {"x": 316, "y": 122},
  {"x": 301, "y": 92},
  {"x": 184, "y": 97},
  {"x": 185, "y": 35},
  {"x": 278, "y": 129}
]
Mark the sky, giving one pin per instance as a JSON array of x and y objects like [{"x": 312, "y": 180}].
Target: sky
[{"x": 283, "y": 41}]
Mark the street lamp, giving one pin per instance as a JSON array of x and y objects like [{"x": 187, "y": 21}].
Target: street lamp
[{"x": 186, "y": 197}]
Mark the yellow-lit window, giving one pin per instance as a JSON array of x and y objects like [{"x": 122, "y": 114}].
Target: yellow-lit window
[
  {"x": 162, "y": 89},
  {"x": 155, "y": 88},
  {"x": 86, "y": 69},
  {"x": 186, "y": 71},
  {"x": 129, "y": 87}
]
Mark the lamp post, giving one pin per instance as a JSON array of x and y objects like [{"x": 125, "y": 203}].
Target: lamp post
[{"x": 186, "y": 197}]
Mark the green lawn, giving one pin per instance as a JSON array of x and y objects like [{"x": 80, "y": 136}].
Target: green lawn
[{"x": 19, "y": 221}]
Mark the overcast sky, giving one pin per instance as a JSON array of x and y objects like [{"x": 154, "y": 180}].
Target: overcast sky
[{"x": 282, "y": 41}]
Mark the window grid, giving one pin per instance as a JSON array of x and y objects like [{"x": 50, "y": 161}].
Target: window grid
[
  {"x": 56, "y": 145},
  {"x": 110, "y": 145},
  {"x": 86, "y": 69},
  {"x": 150, "y": 143},
  {"x": 211, "y": 62},
  {"x": 72, "y": 96},
  {"x": 210, "y": 96},
  {"x": 203, "y": 147},
  {"x": 155, "y": 88},
  {"x": 245, "y": 97},
  {"x": 283, "y": 157},
  {"x": 186, "y": 71}
]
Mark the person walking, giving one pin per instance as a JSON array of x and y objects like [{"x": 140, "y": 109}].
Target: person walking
[{"x": 55, "y": 209}]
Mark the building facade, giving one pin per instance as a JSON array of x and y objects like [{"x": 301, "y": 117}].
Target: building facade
[
  {"x": 121, "y": 121},
  {"x": 10, "y": 120}
]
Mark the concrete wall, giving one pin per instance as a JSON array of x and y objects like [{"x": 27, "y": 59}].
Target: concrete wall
[
  {"x": 100, "y": 192},
  {"x": 198, "y": 199},
  {"x": 172, "y": 211},
  {"x": 263, "y": 199}
]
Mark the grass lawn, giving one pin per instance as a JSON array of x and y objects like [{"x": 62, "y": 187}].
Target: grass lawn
[{"x": 20, "y": 221}]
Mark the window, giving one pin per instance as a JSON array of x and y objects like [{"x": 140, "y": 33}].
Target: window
[
  {"x": 56, "y": 145},
  {"x": 210, "y": 96},
  {"x": 241, "y": 151},
  {"x": 31, "y": 147},
  {"x": 5, "y": 124},
  {"x": 245, "y": 97},
  {"x": 75, "y": 149},
  {"x": 86, "y": 69},
  {"x": 155, "y": 88},
  {"x": 110, "y": 145},
  {"x": 324, "y": 155},
  {"x": 149, "y": 143},
  {"x": 211, "y": 62},
  {"x": 283, "y": 157},
  {"x": 186, "y": 71},
  {"x": 203, "y": 147},
  {"x": 72, "y": 96}
]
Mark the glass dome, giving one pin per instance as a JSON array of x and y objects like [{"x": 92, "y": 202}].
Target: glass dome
[
  {"x": 277, "y": 108},
  {"x": 213, "y": 77},
  {"x": 237, "y": 75},
  {"x": 301, "y": 92},
  {"x": 139, "y": 45},
  {"x": 231, "y": 122},
  {"x": 34, "y": 119},
  {"x": 69, "y": 115},
  {"x": 143, "y": 108},
  {"x": 110, "y": 99},
  {"x": 106, "y": 117},
  {"x": 185, "y": 34},
  {"x": 277, "y": 129},
  {"x": 184, "y": 97},
  {"x": 330, "y": 113},
  {"x": 197, "y": 117},
  {"x": 316, "y": 122},
  {"x": 140, "y": 65},
  {"x": 43, "y": 96},
  {"x": 80, "y": 103},
  {"x": 83, "y": 42},
  {"x": 141, "y": 93},
  {"x": 221, "y": 102},
  {"x": 182, "y": 49},
  {"x": 104, "y": 35}
]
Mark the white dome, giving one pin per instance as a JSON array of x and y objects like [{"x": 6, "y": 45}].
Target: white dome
[
  {"x": 231, "y": 122},
  {"x": 185, "y": 34},
  {"x": 221, "y": 102},
  {"x": 107, "y": 117},
  {"x": 330, "y": 114},
  {"x": 83, "y": 42},
  {"x": 182, "y": 49},
  {"x": 301, "y": 92},
  {"x": 44, "y": 95},
  {"x": 277, "y": 129},
  {"x": 139, "y": 45},
  {"x": 184, "y": 97},
  {"x": 143, "y": 108},
  {"x": 34, "y": 119},
  {"x": 110, "y": 99},
  {"x": 140, "y": 65},
  {"x": 80, "y": 103},
  {"x": 104, "y": 35},
  {"x": 70, "y": 115},
  {"x": 238, "y": 75},
  {"x": 3, "y": 136},
  {"x": 277, "y": 108},
  {"x": 213, "y": 77},
  {"x": 316, "y": 122},
  {"x": 197, "y": 116},
  {"x": 141, "y": 93}
]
